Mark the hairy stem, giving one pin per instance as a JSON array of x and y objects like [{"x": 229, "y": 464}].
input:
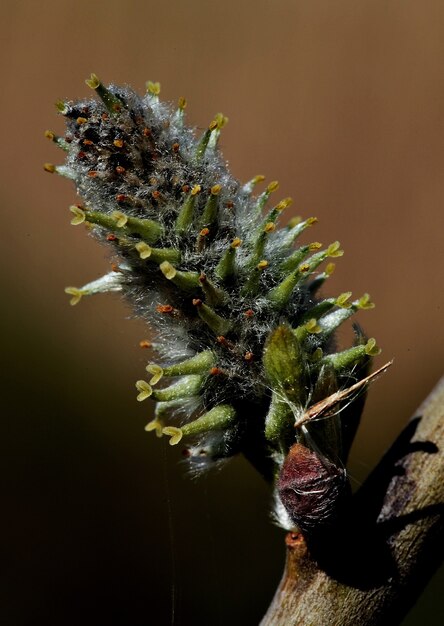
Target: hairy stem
[{"x": 370, "y": 569}]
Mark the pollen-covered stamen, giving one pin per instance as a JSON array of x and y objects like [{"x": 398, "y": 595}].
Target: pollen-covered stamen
[
  {"x": 110, "y": 282},
  {"x": 210, "y": 137},
  {"x": 148, "y": 229},
  {"x": 220, "y": 120},
  {"x": 371, "y": 348},
  {"x": 281, "y": 294},
  {"x": 256, "y": 211},
  {"x": 185, "y": 387},
  {"x": 333, "y": 251},
  {"x": 311, "y": 327},
  {"x": 342, "y": 300},
  {"x": 248, "y": 188},
  {"x": 209, "y": 215},
  {"x": 180, "y": 113},
  {"x": 295, "y": 259},
  {"x": 289, "y": 237},
  {"x": 144, "y": 389},
  {"x": 203, "y": 143},
  {"x": 79, "y": 215},
  {"x": 218, "y": 324},
  {"x": 76, "y": 294},
  {"x": 215, "y": 419},
  {"x": 186, "y": 213},
  {"x": 59, "y": 141},
  {"x": 120, "y": 218},
  {"x": 202, "y": 239},
  {"x": 251, "y": 286},
  {"x": 156, "y": 371},
  {"x": 267, "y": 227},
  {"x": 343, "y": 361},
  {"x": 214, "y": 296},
  {"x": 323, "y": 307},
  {"x": 227, "y": 265},
  {"x": 155, "y": 425},
  {"x": 320, "y": 279},
  {"x": 157, "y": 255},
  {"x": 365, "y": 302},
  {"x": 112, "y": 102},
  {"x": 330, "y": 322},
  {"x": 200, "y": 363},
  {"x": 186, "y": 281},
  {"x": 153, "y": 89},
  {"x": 175, "y": 433},
  {"x": 62, "y": 107}
]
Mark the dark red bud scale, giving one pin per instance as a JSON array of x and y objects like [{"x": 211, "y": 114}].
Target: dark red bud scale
[{"x": 311, "y": 488}]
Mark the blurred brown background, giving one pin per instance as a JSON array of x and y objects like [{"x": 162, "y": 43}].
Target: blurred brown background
[{"x": 343, "y": 102}]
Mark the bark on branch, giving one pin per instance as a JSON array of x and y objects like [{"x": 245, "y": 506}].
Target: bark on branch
[{"x": 371, "y": 568}]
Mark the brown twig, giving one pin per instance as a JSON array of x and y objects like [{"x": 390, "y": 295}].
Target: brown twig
[{"x": 370, "y": 568}]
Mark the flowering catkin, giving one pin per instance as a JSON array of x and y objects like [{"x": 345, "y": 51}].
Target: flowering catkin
[{"x": 245, "y": 342}]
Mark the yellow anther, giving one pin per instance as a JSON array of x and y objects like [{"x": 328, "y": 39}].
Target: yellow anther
[
  {"x": 153, "y": 88},
  {"x": 311, "y": 221},
  {"x": 182, "y": 103},
  {"x": 195, "y": 190},
  {"x": 49, "y": 135},
  {"x": 215, "y": 190},
  {"x": 144, "y": 390},
  {"x": 371, "y": 348},
  {"x": 219, "y": 120},
  {"x": 156, "y": 371},
  {"x": 168, "y": 270},
  {"x": 155, "y": 425},
  {"x": 76, "y": 293},
  {"x": 262, "y": 264},
  {"x": 79, "y": 215},
  {"x": 365, "y": 303},
  {"x": 330, "y": 269},
  {"x": 283, "y": 204},
  {"x": 312, "y": 326},
  {"x": 236, "y": 242},
  {"x": 294, "y": 221},
  {"x": 143, "y": 249},
  {"x": 176, "y": 434},
  {"x": 61, "y": 107},
  {"x": 315, "y": 246},
  {"x": 49, "y": 167},
  {"x": 81, "y": 120},
  {"x": 334, "y": 250},
  {"x": 120, "y": 218},
  {"x": 258, "y": 179},
  {"x": 93, "y": 82},
  {"x": 273, "y": 186},
  {"x": 118, "y": 143},
  {"x": 269, "y": 227},
  {"x": 342, "y": 300},
  {"x": 305, "y": 267}
]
